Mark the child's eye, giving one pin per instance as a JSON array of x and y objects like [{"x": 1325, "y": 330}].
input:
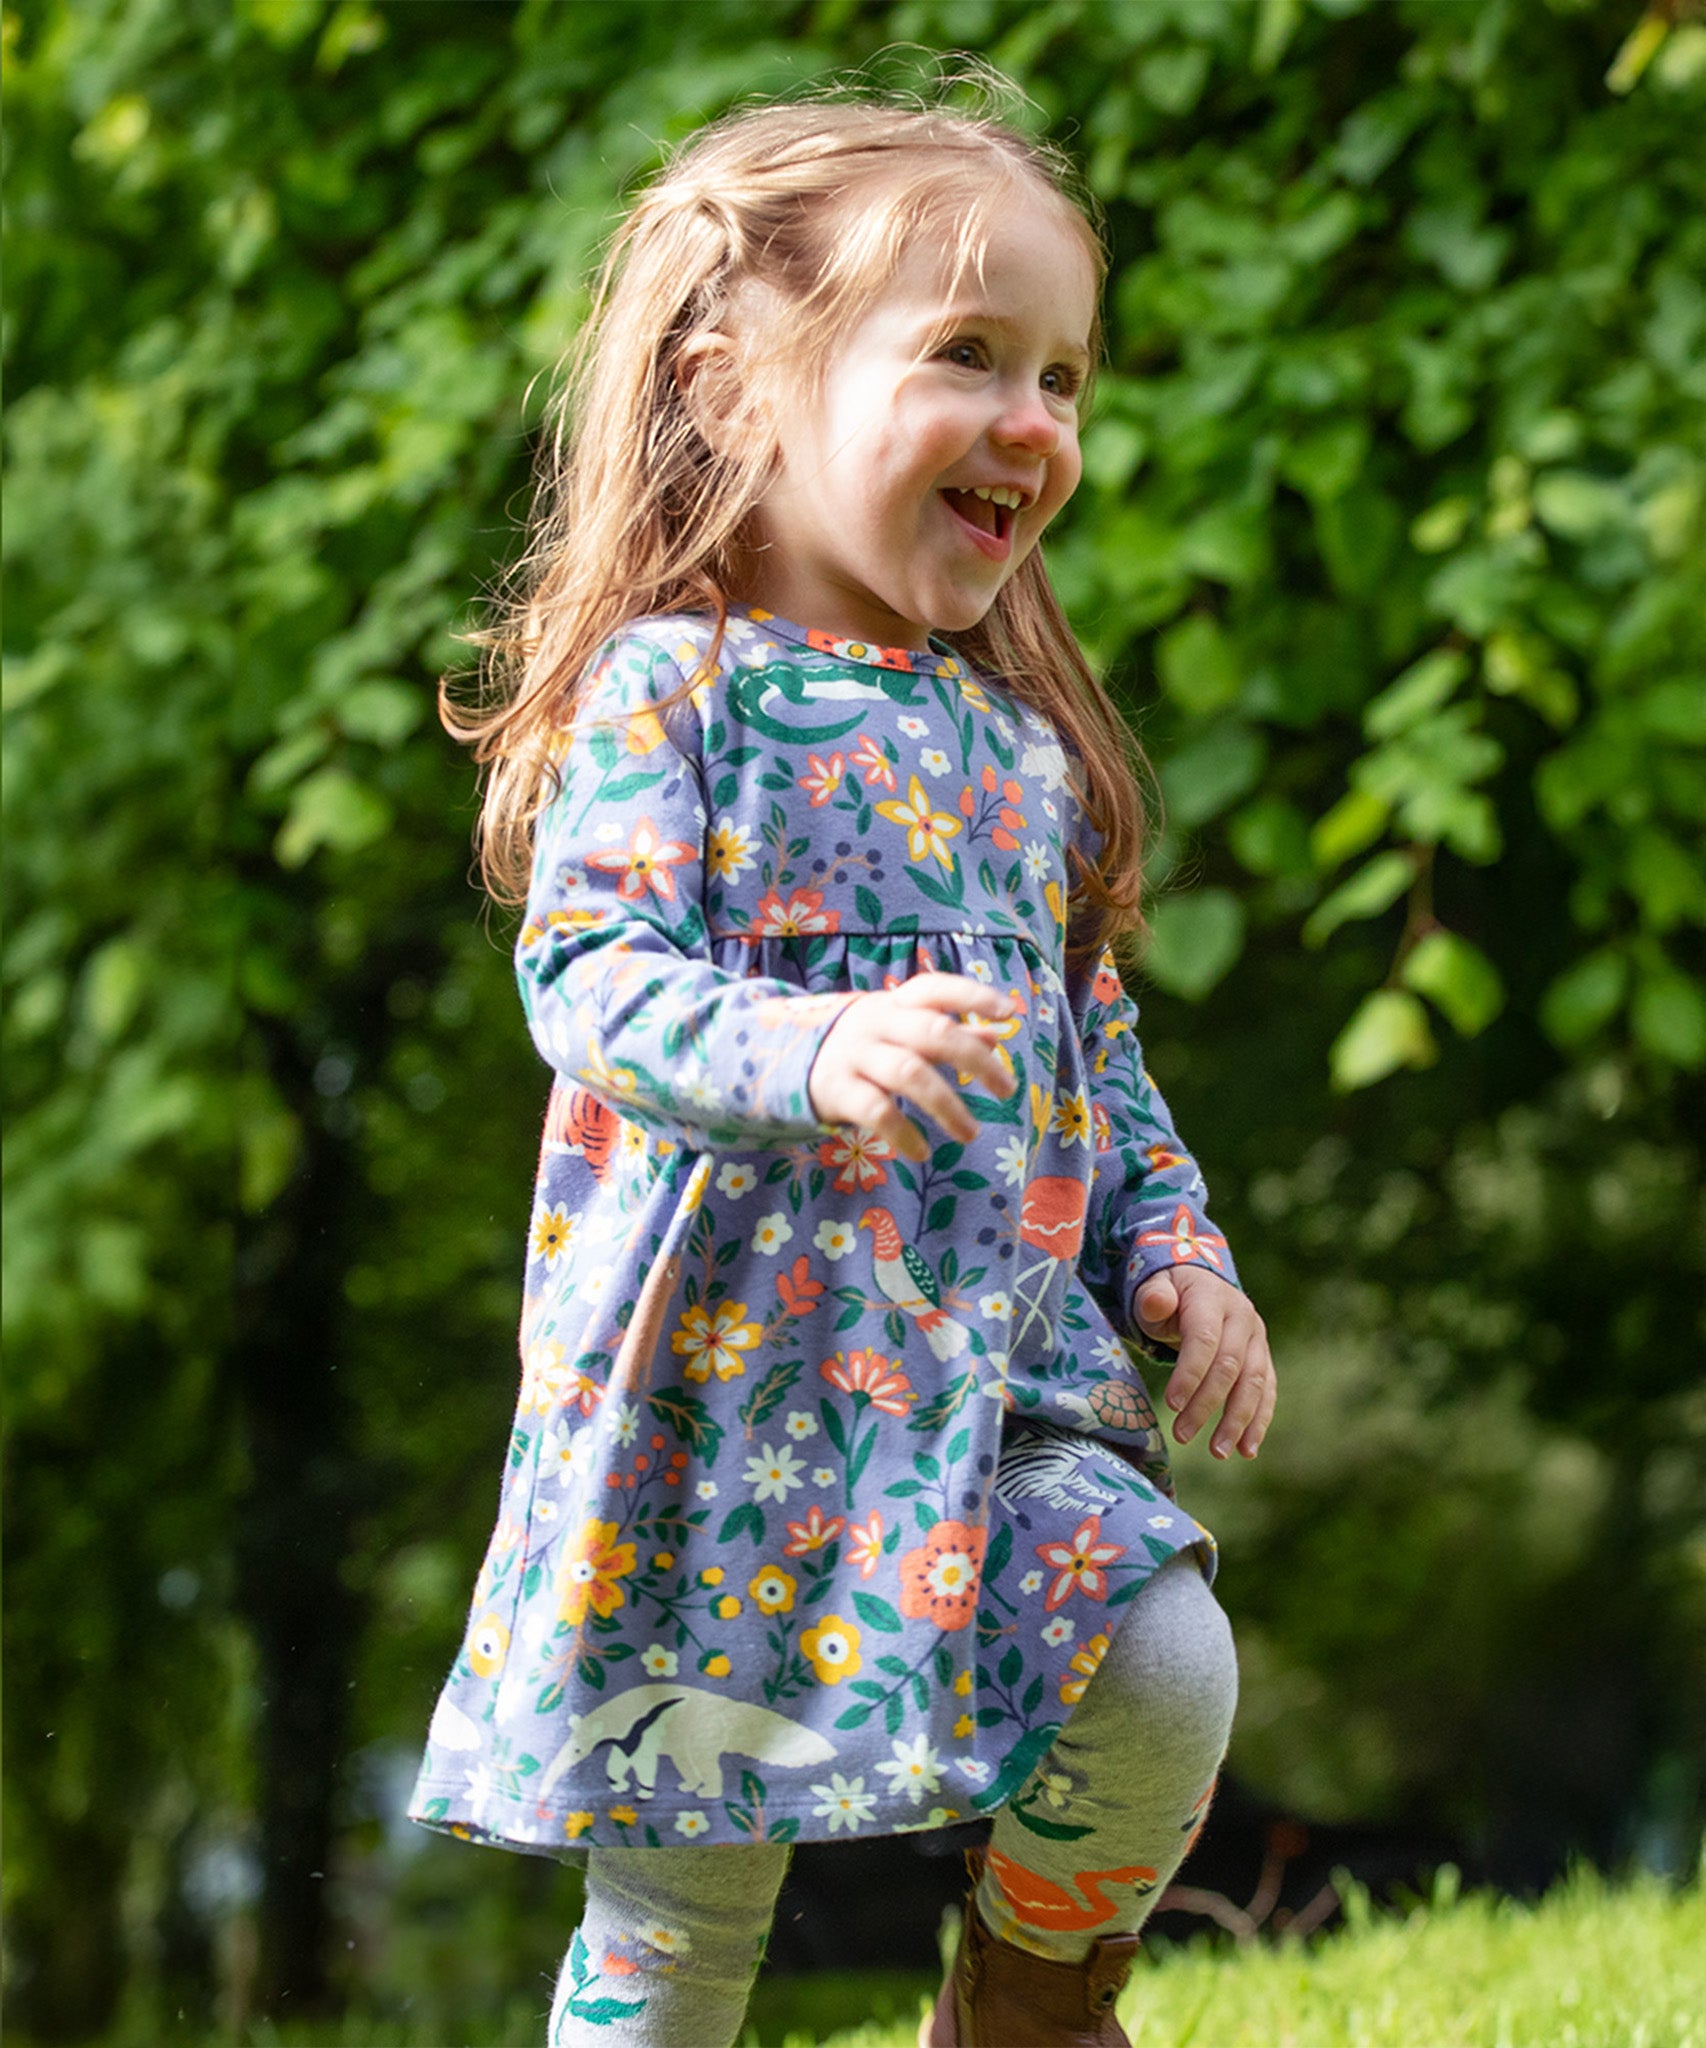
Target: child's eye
[
  {"x": 968, "y": 355},
  {"x": 1062, "y": 382}
]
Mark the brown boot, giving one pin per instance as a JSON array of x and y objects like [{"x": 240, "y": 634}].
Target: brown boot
[{"x": 999, "y": 1996}]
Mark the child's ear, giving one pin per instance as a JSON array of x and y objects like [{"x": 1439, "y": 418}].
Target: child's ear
[{"x": 707, "y": 374}]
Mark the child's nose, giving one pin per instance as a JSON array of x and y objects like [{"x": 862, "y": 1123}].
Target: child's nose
[{"x": 1028, "y": 424}]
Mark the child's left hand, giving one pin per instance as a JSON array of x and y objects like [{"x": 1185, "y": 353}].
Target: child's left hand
[{"x": 1223, "y": 1354}]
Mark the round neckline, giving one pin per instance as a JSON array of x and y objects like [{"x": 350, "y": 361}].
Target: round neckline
[{"x": 938, "y": 659}]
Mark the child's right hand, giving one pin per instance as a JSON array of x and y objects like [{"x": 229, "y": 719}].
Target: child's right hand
[{"x": 887, "y": 1045}]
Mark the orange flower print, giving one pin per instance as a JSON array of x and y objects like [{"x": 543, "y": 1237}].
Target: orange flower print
[
  {"x": 711, "y": 1340},
  {"x": 865, "y": 1545},
  {"x": 823, "y": 778},
  {"x": 1187, "y": 1240},
  {"x": 592, "y": 1566},
  {"x": 939, "y": 1580},
  {"x": 876, "y": 767},
  {"x": 869, "y": 1373},
  {"x": 927, "y": 830},
  {"x": 1086, "y": 1662},
  {"x": 813, "y": 1533},
  {"x": 1079, "y": 1566},
  {"x": 644, "y": 863},
  {"x": 798, "y": 918},
  {"x": 1103, "y": 1127},
  {"x": 1162, "y": 1158},
  {"x": 857, "y": 1157},
  {"x": 1107, "y": 986}
]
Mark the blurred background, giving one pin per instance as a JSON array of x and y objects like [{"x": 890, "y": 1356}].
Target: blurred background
[{"x": 1391, "y": 543}]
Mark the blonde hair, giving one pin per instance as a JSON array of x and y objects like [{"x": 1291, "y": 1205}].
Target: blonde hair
[{"x": 803, "y": 207}]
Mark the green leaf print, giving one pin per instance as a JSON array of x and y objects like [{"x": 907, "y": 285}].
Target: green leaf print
[
  {"x": 946, "y": 1405},
  {"x": 688, "y": 1416},
  {"x": 770, "y": 1392},
  {"x": 875, "y": 1612},
  {"x": 941, "y": 1214},
  {"x": 1011, "y": 1665},
  {"x": 748, "y": 1516},
  {"x": 626, "y": 786},
  {"x": 951, "y": 896},
  {"x": 869, "y": 906}
]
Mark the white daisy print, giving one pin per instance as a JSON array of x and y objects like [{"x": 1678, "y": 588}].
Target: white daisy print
[
  {"x": 997, "y": 1306},
  {"x": 972, "y": 1768},
  {"x": 736, "y": 1180},
  {"x": 627, "y": 1421},
  {"x": 659, "y": 1662},
  {"x": 668, "y": 1941},
  {"x": 1031, "y": 1582},
  {"x": 1061, "y": 1630},
  {"x": 1109, "y": 1351},
  {"x": 843, "y": 1803},
  {"x": 772, "y": 1233},
  {"x": 1161, "y": 1521},
  {"x": 707, "y": 1489},
  {"x": 915, "y": 1769},
  {"x": 980, "y": 970},
  {"x": 773, "y": 1474},
  {"x": 836, "y": 1240},
  {"x": 1036, "y": 859},
  {"x": 914, "y": 728},
  {"x": 823, "y": 1476},
  {"x": 934, "y": 761},
  {"x": 800, "y": 1425},
  {"x": 1012, "y": 1159},
  {"x": 691, "y": 1824}
]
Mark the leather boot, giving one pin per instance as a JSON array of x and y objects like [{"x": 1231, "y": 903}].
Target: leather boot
[{"x": 999, "y": 1996}]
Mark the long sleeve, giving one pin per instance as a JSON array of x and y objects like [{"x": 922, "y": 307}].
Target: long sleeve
[
  {"x": 614, "y": 959},
  {"x": 1148, "y": 1203}
]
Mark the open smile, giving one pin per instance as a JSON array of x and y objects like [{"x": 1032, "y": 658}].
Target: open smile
[{"x": 985, "y": 519}]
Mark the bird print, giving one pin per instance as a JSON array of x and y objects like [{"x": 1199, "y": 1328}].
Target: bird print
[
  {"x": 903, "y": 1278},
  {"x": 1044, "y": 1903}
]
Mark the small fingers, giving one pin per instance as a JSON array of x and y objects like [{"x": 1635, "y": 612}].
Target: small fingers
[
  {"x": 1210, "y": 1391},
  {"x": 1251, "y": 1441},
  {"x": 935, "y": 991},
  {"x": 874, "y": 1109},
  {"x": 1244, "y": 1403},
  {"x": 904, "y": 1072}
]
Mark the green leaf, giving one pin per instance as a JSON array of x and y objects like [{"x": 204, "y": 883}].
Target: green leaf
[
  {"x": 1198, "y": 670},
  {"x": 1355, "y": 821},
  {"x": 1388, "y": 1031},
  {"x": 1211, "y": 770},
  {"x": 1195, "y": 940},
  {"x": 1669, "y": 1015},
  {"x": 1422, "y": 688},
  {"x": 1457, "y": 978},
  {"x": 1585, "y": 997},
  {"x": 330, "y": 809},
  {"x": 381, "y": 710},
  {"x": 1577, "y": 506},
  {"x": 1372, "y": 889}
]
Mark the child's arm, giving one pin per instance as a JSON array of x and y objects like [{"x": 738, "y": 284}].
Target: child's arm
[
  {"x": 621, "y": 992},
  {"x": 1151, "y": 1256}
]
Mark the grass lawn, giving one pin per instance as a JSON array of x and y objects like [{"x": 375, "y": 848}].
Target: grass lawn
[{"x": 1591, "y": 1966}]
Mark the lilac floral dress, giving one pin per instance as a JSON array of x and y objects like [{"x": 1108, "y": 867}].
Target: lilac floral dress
[{"x": 831, "y": 1474}]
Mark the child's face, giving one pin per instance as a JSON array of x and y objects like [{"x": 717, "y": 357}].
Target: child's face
[{"x": 871, "y": 530}]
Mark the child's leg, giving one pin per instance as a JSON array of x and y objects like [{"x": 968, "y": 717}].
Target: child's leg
[
  {"x": 1132, "y": 1769},
  {"x": 668, "y": 1947}
]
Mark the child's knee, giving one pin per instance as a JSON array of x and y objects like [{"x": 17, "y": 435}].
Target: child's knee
[{"x": 1171, "y": 1667}]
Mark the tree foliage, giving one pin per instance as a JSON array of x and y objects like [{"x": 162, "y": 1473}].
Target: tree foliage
[{"x": 1391, "y": 541}]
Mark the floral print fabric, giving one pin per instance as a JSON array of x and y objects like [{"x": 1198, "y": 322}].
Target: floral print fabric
[{"x": 831, "y": 1473}]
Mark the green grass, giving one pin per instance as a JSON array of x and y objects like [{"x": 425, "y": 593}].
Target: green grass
[{"x": 1592, "y": 1966}]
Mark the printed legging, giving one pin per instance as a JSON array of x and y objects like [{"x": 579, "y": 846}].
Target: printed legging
[{"x": 671, "y": 1938}]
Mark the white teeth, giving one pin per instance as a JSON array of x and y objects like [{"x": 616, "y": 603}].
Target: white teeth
[{"x": 1011, "y": 499}]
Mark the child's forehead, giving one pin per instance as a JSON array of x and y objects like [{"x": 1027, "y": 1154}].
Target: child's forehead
[{"x": 1015, "y": 274}]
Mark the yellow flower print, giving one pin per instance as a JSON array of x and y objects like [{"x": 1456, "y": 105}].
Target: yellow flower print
[
  {"x": 1072, "y": 1118},
  {"x": 602, "y": 1077},
  {"x": 645, "y": 731},
  {"x": 963, "y": 1685},
  {"x": 591, "y": 1567},
  {"x": 773, "y": 1590},
  {"x": 1042, "y": 1105},
  {"x": 833, "y": 1649},
  {"x": 624, "y": 1816},
  {"x": 972, "y": 692},
  {"x": 576, "y": 1824},
  {"x": 553, "y": 1233},
  {"x": 716, "y": 1667},
  {"x": 927, "y": 831},
  {"x": 1055, "y": 897},
  {"x": 488, "y": 1645},
  {"x": 1085, "y": 1662},
  {"x": 963, "y": 1727},
  {"x": 712, "y": 1575},
  {"x": 726, "y": 1608},
  {"x": 712, "y": 1341},
  {"x": 729, "y": 850}
]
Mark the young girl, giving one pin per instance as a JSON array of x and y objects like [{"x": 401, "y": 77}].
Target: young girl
[{"x": 835, "y": 1505}]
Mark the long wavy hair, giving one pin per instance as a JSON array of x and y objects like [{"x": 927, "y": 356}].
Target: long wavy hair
[{"x": 775, "y": 226}]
